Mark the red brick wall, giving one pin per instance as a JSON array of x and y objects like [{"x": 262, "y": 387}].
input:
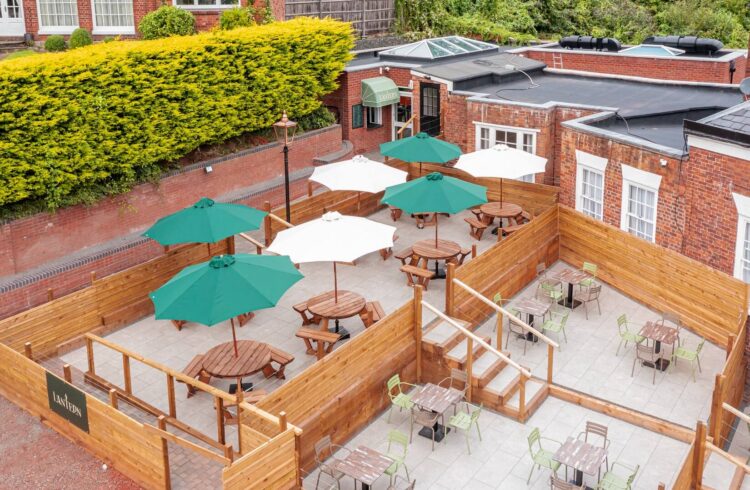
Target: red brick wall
[
  {"x": 747, "y": 70},
  {"x": 349, "y": 94},
  {"x": 30, "y": 242},
  {"x": 657, "y": 68}
]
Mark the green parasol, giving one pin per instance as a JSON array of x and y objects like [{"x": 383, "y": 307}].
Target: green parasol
[
  {"x": 421, "y": 148},
  {"x": 435, "y": 193},
  {"x": 224, "y": 287},
  {"x": 205, "y": 221}
]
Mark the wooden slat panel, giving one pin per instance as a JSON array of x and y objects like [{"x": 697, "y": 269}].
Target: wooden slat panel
[
  {"x": 272, "y": 465},
  {"x": 735, "y": 373}
]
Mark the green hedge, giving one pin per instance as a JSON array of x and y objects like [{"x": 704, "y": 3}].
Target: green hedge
[{"x": 100, "y": 119}]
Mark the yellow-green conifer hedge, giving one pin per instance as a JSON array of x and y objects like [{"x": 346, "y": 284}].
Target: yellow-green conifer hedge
[{"x": 108, "y": 114}]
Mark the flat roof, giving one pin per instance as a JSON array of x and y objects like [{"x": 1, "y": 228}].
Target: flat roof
[
  {"x": 373, "y": 57},
  {"x": 494, "y": 66},
  {"x": 716, "y": 56}
]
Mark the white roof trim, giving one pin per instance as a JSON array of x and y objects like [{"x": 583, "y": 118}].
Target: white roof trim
[
  {"x": 642, "y": 177},
  {"x": 720, "y": 147}
]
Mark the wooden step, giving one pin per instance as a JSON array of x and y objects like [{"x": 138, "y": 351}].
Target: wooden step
[
  {"x": 456, "y": 357},
  {"x": 485, "y": 368},
  {"x": 440, "y": 337},
  {"x": 536, "y": 392},
  {"x": 504, "y": 384}
]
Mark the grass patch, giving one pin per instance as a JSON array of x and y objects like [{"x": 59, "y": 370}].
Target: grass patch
[{"x": 20, "y": 54}]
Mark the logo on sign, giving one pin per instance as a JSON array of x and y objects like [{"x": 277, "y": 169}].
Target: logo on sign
[{"x": 67, "y": 401}]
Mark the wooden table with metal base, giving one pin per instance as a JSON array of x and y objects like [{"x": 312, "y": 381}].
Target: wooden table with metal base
[
  {"x": 364, "y": 465},
  {"x": 572, "y": 278},
  {"x": 532, "y": 307},
  {"x": 430, "y": 249},
  {"x": 436, "y": 399},
  {"x": 500, "y": 210},
  {"x": 329, "y": 306},
  {"x": 221, "y": 361},
  {"x": 659, "y": 333},
  {"x": 582, "y": 457}
]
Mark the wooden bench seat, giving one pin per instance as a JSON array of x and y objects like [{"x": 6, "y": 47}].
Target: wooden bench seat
[
  {"x": 387, "y": 252},
  {"x": 507, "y": 230},
  {"x": 243, "y": 318},
  {"x": 281, "y": 358},
  {"x": 324, "y": 340},
  {"x": 406, "y": 256},
  {"x": 395, "y": 213},
  {"x": 251, "y": 397},
  {"x": 195, "y": 370},
  {"x": 424, "y": 219},
  {"x": 459, "y": 259},
  {"x": 476, "y": 228},
  {"x": 301, "y": 308},
  {"x": 417, "y": 275},
  {"x": 372, "y": 313}
]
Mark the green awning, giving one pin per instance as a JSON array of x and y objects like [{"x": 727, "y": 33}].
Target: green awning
[{"x": 379, "y": 92}]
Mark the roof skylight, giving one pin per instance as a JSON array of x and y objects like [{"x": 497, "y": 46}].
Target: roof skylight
[
  {"x": 440, "y": 47},
  {"x": 653, "y": 50}
]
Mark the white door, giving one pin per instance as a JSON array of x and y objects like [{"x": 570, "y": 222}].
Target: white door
[
  {"x": 401, "y": 115},
  {"x": 11, "y": 18}
]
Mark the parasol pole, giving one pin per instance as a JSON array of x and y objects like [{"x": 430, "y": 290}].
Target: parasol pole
[
  {"x": 501, "y": 191},
  {"x": 436, "y": 229},
  {"x": 335, "y": 285},
  {"x": 234, "y": 338},
  {"x": 358, "y": 199}
]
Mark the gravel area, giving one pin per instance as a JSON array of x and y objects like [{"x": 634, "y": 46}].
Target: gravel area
[{"x": 34, "y": 456}]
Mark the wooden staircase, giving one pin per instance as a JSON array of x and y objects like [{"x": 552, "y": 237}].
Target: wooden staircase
[{"x": 495, "y": 384}]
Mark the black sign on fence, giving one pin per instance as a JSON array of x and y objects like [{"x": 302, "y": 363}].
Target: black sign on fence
[{"x": 67, "y": 401}]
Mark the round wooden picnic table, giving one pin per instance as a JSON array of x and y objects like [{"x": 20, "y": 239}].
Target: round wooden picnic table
[
  {"x": 428, "y": 250},
  {"x": 500, "y": 210},
  {"x": 326, "y": 307},
  {"x": 221, "y": 362}
]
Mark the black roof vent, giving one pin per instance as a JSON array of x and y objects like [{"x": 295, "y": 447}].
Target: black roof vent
[
  {"x": 589, "y": 42},
  {"x": 689, "y": 44}
]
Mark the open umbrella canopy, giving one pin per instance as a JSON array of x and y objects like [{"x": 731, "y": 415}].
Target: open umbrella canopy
[
  {"x": 224, "y": 287},
  {"x": 501, "y": 162},
  {"x": 421, "y": 148},
  {"x": 435, "y": 193},
  {"x": 359, "y": 174},
  {"x": 333, "y": 238},
  {"x": 205, "y": 221}
]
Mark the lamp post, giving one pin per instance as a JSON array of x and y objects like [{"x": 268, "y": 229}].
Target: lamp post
[{"x": 285, "y": 129}]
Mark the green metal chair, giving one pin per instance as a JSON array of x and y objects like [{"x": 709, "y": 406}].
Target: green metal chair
[
  {"x": 397, "y": 438},
  {"x": 401, "y": 484},
  {"x": 463, "y": 420},
  {"x": 551, "y": 293},
  {"x": 556, "y": 323},
  {"x": 541, "y": 275},
  {"x": 592, "y": 270},
  {"x": 613, "y": 481},
  {"x": 625, "y": 334},
  {"x": 540, "y": 456},
  {"x": 512, "y": 327},
  {"x": 398, "y": 397},
  {"x": 693, "y": 356}
]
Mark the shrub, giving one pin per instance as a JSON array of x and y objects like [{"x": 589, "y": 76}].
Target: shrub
[
  {"x": 113, "y": 114},
  {"x": 80, "y": 38},
  {"x": 319, "y": 118},
  {"x": 238, "y": 17},
  {"x": 109, "y": 39},
  {"x": 55, "y": 43},
  {"x": 167, "y": 21}
]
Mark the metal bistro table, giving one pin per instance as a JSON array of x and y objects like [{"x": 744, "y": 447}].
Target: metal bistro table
[
  {"x": 532, "y": 307},
  {"x": 325, "y": 306},
  {"x": 500, "y": 210},
  {"x": 659, "y": 333},
  {"x": 436, "y": 399},
  {"x": 365, "y": 465},
  {"x": 582, "y": 457},
  {"x": 428, "y": 250},
  {"x": 572, "y": 277},
  {"x": 221, "y": 362}
]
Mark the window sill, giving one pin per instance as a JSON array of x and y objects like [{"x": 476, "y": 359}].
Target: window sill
[
  {"x": 47, "y": 31},
  {"x": 207, "y": 8},
  {"x": 106, "y": 31},
  {"x": 374, "y": 126}
]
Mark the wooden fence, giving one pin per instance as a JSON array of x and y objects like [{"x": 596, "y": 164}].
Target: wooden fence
[
  {"x": 272, "y": 465},
  {"x": 729, "y": 386},
  {"x": 345, "y": 391},
  {"x": 109, "y": 303},
  {"x": 367, "y": 16},
  {"x": 708, "y": 302},
  {"x": 114, "y": 437}
]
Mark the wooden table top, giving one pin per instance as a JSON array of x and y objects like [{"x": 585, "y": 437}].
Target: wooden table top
[
  {"x": 581, "y": 455},
  {"x": 436, "y": 398},
  {"x": 532, "y": 306},
  {"x": 445, "y": 249},
  {"x": 221, "y": 362},
  {"x": 364, "y": 465},
  {"x": 501, "y": 209},
  {"x": 325, "y": 306},
  {"x": 659, "y": 332},
  {"x": 570, "y": 276}
]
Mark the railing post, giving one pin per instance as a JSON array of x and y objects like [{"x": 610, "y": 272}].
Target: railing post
[
  {"x": 170, "y": 396},
  {"x": 230, "y": 245},
  {"x": 473, "y": 250},
  {"x": 165, "y": 453},
  {"x": 113, "y": 398},
  {"x": 267, "y": 223},
  {"x": 469, "y": 366},
  {"x": 27, "y": 350},
  {"x": 240, "y": 400},
  {"x": 418, "y": 329},
  {"x": 126, "y": 374},
  {"x": 90, "y": 355},
  {"x": 716, "y": 410},
  {"x": 522, "y": 399},
  {"x": 229, "y": 453},
  {"x": 282, "y": 421},
  {"x": 67, "y": 375},
  {"x": 699, "y": 451},
  {"x": 731, "y": 339},
  {"x": 450, "y": 273},
  {"x": 499, "y": 329},
  {"x": 219, "y": 404},
  {"x": 50, "y": 294},
  {"x": 550, "y": 362},
  {"x": 309, "y": 188}
]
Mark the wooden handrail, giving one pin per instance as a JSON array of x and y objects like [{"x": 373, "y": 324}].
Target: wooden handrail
[
  {"x": 502, "y": 310},
  {"x": 477, "y": 339},
  {"x": 405, "y": 126},
  {"x": 258, "y": 246},
  {"x": 187, "y": 444},
  {"x": 731, "y": 458},
  {"x": 742, "y": 416},
  {"x": 280, "y": 220}
]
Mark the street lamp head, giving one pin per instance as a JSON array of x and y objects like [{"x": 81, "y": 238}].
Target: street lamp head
[{"x": 285, "y": 130}]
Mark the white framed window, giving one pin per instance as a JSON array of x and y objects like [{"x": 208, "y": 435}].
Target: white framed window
[
  {"x": 590, "y": 184},
  {"x": 206, "y": 4},
  {"x": 489, "y": 135},
  {"x": 113, "y": 16},
  {"x": 640, "y": 198},
  {"x": 742, "y": 243},
  {"x": 374, "y": 117},
  {"x": 57, "y": 16}
]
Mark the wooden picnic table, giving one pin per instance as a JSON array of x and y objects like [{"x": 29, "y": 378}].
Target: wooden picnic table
[
  {"x": 500, "y": 210},
  {"x": 365, "y": 465},
  {"x": 427, "y": 250},
  {"x": 436, "y": 399},
  {"x": 221, "y": 362},
  {"x": 658, "y": 332},
  {"x": 572, "y": 277},
  {"x": 582, "y": 456},
  {"x": 326, "y": 307},
  {"x": 532, "y": 307}
]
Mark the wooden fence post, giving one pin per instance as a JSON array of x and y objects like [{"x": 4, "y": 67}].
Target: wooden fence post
[
  {"x": 309, "y": 188},
  {"x": 716, "y": 410},
  {"x": 731, "y": 339},
  {"x": 267, "y": 223},
  {"x": 699, "y": 450},
  {"x": 90, "y": 355},
  {"x": 219, "y": 403},
  {"x": 230, "y": 245},
  {"x": 229, "y": 452},
  {"x": 126, "y": 374},
  {"x": 469, "y": 366},
  {"x": 282, "y": 421},
  {"x": 113, "y": 398},
  {"x": 499, "y": 329},
  {"x": 450, "y": 273},
  {"x": 93, "y": 276},
  {"x": 522, "y": 399},
  {"x": 67, "y": 374},
  {"x": 550, "y": 362},
  {"x": 418, "y": 329},
  {"x": 50, "y": 294},
  {"x": 473, "y": 250},
  {"x": 27, "y": 350},
  {"x": 165, "y": 453},
  {"x": 170, "y": 396}
]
